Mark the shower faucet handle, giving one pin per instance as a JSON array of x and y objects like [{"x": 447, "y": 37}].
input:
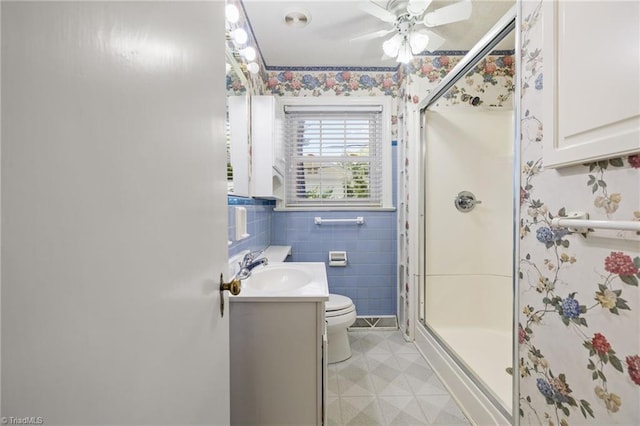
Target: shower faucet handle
[{"x": 466, "y": 201}]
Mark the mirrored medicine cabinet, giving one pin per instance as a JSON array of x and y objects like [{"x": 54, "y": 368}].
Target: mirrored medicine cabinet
[{"x": 238, "y": 128}]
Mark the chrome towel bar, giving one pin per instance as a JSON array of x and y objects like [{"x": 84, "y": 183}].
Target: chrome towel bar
[
  {"x": 319, "y": 221},
  {"x": 579, "y": 222}
]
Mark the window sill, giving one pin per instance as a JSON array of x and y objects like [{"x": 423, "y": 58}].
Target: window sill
[{"x": 334, "y": 209}]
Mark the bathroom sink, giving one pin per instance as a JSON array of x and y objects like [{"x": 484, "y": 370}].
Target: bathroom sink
[
  {"x": 285, "y": 282},
  {"x": 276, "y": 278}
]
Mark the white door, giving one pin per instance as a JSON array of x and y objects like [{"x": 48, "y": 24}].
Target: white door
[{"x": 113, "y": 213}]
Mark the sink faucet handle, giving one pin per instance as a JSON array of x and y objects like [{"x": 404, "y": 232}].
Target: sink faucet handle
[{"x": 250, "y": 257}]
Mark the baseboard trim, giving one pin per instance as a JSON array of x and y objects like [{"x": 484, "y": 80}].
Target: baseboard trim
[{"x": 381, "y": 322}]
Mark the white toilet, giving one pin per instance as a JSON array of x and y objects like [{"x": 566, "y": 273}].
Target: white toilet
[{"x": 340, "y": 314}]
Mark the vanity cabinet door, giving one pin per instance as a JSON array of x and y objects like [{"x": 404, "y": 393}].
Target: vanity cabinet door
[
  {"x": 591, "y": 80},
  {"x": 276, "y": 363}
]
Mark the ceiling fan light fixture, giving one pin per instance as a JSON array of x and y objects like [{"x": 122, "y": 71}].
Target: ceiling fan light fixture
[
  {"x": 418, "y": 42},
  {"x": 392, "y": 46},
  {"x": 404, "y": 54}
]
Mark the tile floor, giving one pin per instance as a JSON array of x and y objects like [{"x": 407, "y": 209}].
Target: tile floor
[{"x": 387, "y": 382}]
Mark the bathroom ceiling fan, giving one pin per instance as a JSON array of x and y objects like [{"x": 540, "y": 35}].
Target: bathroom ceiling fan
[{"x": 407, "y": 18}]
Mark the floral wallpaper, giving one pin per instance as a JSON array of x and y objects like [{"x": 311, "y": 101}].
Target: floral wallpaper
[
  {"x": 313, "y": 82},
  {"x": 579, "y": 332},
  {"x": 235, "y": 87},
  {"x": 491, "y": 80}
]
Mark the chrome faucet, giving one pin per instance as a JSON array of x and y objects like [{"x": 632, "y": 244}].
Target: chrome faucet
[{"x": 249, "y": 262}]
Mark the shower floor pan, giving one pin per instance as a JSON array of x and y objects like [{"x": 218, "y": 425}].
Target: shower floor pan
[{"x": 487, "y": 352}]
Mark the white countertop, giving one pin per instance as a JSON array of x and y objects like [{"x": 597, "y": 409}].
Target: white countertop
[{"x": 316, "y": 290}]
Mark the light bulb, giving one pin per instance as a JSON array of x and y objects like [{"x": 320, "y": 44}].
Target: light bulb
[
  {"x": 239, "y": 35},
  {"x": 418, "y": 42},
  {"x": 253, "y": 67},
  {"x": 231, "y": 13},
  {"x": 391, "y": 46},
  {"x": 404, "y": 54},
  {"x": 249, "y": 53}
]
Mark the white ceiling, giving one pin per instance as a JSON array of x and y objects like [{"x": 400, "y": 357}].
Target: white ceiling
[{"x": 325, "y": 41}]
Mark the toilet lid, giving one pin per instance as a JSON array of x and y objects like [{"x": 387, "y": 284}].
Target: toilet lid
[{"x": 337, "y": 302}]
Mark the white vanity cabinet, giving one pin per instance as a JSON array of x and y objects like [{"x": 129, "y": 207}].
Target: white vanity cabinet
[
  {"x": 267, "y": 144},
  {"x": 277, "y": 362},
  {"x": 587, "y": 117}
]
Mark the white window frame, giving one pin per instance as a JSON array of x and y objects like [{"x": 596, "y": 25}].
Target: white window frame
[{"x": 346, "y": 101}]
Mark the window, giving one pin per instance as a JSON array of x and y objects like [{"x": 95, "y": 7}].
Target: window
[{"x": 338, "y": 154}]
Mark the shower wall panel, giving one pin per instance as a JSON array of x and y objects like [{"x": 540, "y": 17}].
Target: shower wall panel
[{"x": 469, "y": 150}]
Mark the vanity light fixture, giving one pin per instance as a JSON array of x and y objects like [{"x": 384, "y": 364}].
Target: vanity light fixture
[
  {"x": 232, "y": 13},
  {"x": 249, "y": 53},
  {"x": 239, "y": 35},
  {"x": 253, "y": 67}
]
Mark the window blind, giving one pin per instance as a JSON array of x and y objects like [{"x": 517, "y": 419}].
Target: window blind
[{"x": 334, "y": 156}]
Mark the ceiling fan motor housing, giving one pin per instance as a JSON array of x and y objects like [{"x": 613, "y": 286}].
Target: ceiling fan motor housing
[{"x": 405, "y": 24}]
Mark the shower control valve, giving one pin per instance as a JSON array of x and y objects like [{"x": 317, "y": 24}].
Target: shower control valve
[{"x": 466, "y": 201}]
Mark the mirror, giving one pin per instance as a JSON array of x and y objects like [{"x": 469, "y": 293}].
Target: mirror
[{"x": 237, "y": 128}]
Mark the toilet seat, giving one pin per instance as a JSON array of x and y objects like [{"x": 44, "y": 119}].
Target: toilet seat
[
  {"x": 333, "y": 314},
  {"x": 336, "y": 302},
  {"x": 338, "y": 305}
]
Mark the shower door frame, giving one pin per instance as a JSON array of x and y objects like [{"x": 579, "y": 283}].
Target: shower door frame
[{"x": 465, "y": 383}]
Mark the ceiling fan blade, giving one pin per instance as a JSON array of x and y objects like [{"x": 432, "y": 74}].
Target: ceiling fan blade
[
  {"x": 377, "y": 11},
  {"x": 448, "y": 14},
  {"x": 373, "y": 35},
  {"x": 417, "y": 7}
]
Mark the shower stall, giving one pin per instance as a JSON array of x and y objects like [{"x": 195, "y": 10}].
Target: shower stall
[
  {"x": 467, "y": 217},
  {"x": 468, "y": 251}
]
